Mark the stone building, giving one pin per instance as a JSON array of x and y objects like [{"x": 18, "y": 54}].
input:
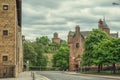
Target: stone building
[
  {"x": 11, "y": 57},
  {"x": 55, "y": 39},
  {"x": 76, "y": 43}
]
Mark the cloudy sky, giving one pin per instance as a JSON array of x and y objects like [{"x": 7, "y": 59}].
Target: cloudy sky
[{"x": 44, "y": 17}]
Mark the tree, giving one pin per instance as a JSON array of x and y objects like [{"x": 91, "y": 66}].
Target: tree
[
  {"x": 33, "y": 51},
  {"x": 40, "y": 49},
  {"x": 43, "y": 40},
  {"x": 93, "y": 54},
  {"x": 111, "y": 48},
  {"x": 29, "y": 53},
  {"x": 60, "y": 58}
]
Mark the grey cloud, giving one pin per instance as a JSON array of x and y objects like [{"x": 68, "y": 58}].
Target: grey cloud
[
  {"x": 44, "y": 17},
  {"x": 43, "y": 3}
]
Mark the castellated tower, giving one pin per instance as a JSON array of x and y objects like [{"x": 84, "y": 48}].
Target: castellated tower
[
  {"x": 55, "y": 38},
  {"x": 11, "y": 57}
]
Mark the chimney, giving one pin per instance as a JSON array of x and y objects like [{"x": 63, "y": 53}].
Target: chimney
[{"x": 77, "y": 29}]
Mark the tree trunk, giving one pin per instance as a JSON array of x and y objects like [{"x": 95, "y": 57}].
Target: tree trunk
[
  {"x": 101, "y": 67},
  {"x": 98, "y": 68},
  {"x": 114, "y": 68}
]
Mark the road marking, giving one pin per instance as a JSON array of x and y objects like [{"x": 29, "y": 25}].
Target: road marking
[{"x": 40, "y": 77}]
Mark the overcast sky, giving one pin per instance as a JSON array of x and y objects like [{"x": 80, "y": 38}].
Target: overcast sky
[{"x": 44, "y": 17}]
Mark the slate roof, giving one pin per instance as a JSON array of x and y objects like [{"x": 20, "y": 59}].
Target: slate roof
[
  {"x": 85, "y": 33},
  {"x": 71, "y": 33},
  {"x": 104, "y": 24},
  {"x": 114, "y": 35}
]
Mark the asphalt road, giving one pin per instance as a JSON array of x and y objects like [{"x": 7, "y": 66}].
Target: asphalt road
[{"x": 57, "y": 75}]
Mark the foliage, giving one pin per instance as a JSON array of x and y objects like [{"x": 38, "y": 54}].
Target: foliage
[
  {"x": 33, "y": 51},
  {"x": 93, "y": 54},
  {"x": 101, "y": 49},
  {"x": 60, "y": 58},
  {"x": 29, "y": 53},
  {"x": 112, "y": 49},
  {"x": 43, "y": 40}
]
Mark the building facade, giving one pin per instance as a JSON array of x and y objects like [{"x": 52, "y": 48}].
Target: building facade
[
  {"x": 11, "y": 57},
  {"x": 76, "y": 43}
]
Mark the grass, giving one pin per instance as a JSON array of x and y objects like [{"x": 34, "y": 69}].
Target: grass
[{"x": 109, "y": 73}]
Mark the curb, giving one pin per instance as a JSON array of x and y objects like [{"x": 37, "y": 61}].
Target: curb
[{"x": 102, "y": 76}]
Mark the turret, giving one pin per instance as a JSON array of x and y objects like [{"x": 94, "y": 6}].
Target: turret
[
  {"x": 103, "y": 26},
  {"x": 100, "y": 24}
]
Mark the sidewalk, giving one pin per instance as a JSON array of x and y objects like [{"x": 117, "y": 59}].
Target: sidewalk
[
  {"x": 22, "y": 76},
  {"x": 26, "y": 76},
  {"x": 103, "y": 76}
]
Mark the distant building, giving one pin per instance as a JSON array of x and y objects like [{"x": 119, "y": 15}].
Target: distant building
[
  {"x": 55, "y": 39},
  {"x": 11, "y": 52},
  {"x": 76, "y": 43}
]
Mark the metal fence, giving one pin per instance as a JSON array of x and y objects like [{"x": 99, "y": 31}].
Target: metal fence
[{"x": 7, "y": 71}]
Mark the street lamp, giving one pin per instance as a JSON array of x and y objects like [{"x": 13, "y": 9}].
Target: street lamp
[{"x": 115, "y": 3}]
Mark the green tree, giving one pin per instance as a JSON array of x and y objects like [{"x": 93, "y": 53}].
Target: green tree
[
  {"x": 93, "y": 54},
  {"x": 29, "y": 53},
  {"x": 43, "y": 40},
  {"x": 41, "y": 58},
  {"x": 60, "y": 58},
  {"x": 33, "y": 51},
  {"x": 111, "y": 49}
]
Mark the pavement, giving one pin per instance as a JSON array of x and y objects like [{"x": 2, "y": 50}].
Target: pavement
[
  {"x": 28, "y": 75},
  {"x": 103, "y": 76}
]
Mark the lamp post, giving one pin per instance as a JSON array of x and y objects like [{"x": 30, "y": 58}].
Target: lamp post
[{"x": 116, "y": 3}]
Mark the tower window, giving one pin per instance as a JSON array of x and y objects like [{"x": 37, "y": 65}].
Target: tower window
[
  {"x": 77, "y": 45},
  {"x": 5, "y": 58},
  {"x": 5, "y": 7},
  {"x": 5, "y": 32}
]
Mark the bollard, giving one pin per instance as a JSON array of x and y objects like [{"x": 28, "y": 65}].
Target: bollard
[{"x": 33, "y": 76}]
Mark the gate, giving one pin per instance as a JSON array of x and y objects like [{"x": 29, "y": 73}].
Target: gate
[{"x": 7, "y": 71}]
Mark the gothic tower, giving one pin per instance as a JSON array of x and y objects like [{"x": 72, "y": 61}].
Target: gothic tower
[
  {"x": 11, "y": 57},
  {"x": 103, "y": 26}
]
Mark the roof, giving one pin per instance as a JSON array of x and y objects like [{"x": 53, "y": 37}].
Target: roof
[
  {"x": 114, "y": 35},
  {"x": 85, "y": 33},
  {"x": 71, "y": 33},
  {"x": 104, "y": 24}
]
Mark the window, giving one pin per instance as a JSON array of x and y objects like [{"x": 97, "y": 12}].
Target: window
[
  {"x": 5, "y": 32},
  {"x": 5, "y": 7},
  {"x": 77, "y": 45},
  {"x": 5, "y": 58}
]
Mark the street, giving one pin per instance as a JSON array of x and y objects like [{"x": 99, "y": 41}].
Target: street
[{"x": 57, "y": 75}]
